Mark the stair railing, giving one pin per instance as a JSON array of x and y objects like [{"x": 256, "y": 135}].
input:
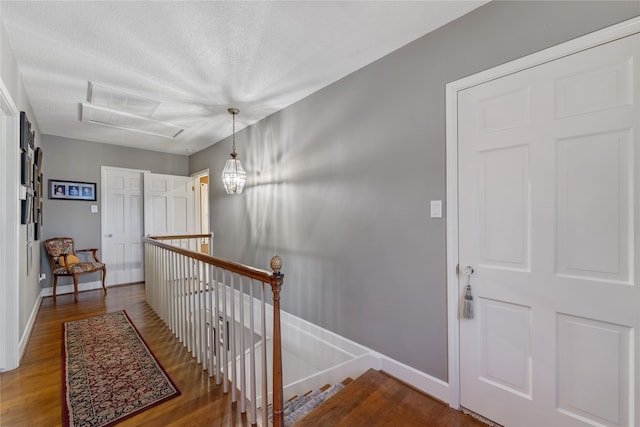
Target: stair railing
[
  {"x": 211, "y": 307},
  {"x": 195, "y": 242}
]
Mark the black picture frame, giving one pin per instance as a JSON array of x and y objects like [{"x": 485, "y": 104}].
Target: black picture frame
[
  {"x": 26, "y": 209},
  {"x": 72, "y": 190},
  {"x": 37, "y": 157},
  {"x": 25, "y": 131},
  {"x": 24, "y": 168}
]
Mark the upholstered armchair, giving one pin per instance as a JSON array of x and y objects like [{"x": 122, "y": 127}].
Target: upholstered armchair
[{"x": 64, "y": 262}]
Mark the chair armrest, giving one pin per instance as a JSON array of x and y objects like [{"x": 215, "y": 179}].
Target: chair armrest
[{"x": 93, "y": 252}]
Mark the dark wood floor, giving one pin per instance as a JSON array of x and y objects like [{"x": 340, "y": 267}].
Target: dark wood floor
[{"x": 31, "y": 394}]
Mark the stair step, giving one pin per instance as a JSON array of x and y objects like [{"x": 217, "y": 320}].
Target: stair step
[
  {"x": 308, "y": 403},
  {"x": 298, "y": 406},
  {"x": 373, "y": 400}
]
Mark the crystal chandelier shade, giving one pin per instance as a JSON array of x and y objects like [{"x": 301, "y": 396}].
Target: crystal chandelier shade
[{"x": 234, "y": 176}]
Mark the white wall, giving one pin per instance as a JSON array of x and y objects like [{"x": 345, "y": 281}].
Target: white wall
[{"x": 27, "y": 286}]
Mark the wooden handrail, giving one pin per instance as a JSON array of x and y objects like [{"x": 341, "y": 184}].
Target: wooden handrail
[
  {"x": 275, "y": 280},
  {"x": 235, "y": 267},
  {"x": 182, "y": 236}
]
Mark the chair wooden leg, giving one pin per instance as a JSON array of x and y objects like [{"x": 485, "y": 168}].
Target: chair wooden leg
[
  {"x": 104, "y": 278},
  {"x": 75, "y": 288},
  {"x": 55, "y": 283}
]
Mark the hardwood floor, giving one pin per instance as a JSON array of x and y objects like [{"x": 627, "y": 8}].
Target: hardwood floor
[
  {"x": 376, "y": 399},
  {"x": 31, "y": 394}
]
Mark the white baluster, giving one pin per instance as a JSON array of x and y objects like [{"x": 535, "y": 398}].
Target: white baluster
[
  {"x": 211, "y": 318},
  {"x": 265, "y": 384},
  {"x": 243, "y": 379},
  {"x": 197, "y": 321},
  {"x": 189, "y": 270},
  {"x": 216, "y": 316},
  {"x": 252, "y": 357},
  {"x": 225, "y": 341},
  {"x": 234, "y": 356}
]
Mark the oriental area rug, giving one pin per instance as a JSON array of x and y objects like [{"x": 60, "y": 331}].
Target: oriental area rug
[{"x": 109, "y": 373}]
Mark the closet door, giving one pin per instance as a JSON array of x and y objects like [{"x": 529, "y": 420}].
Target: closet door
[
  {"x": 169, "y": 205},
  {"x": 548, "y": 221}
]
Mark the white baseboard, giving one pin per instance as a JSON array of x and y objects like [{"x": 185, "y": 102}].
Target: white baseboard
[
  {"x": 350, "y": 369},
  {"x": 22, "y": 346},
  {"x": 68, "y": 289},
  {"x": 366, "y": 358},
  {"x": 417, "y": 379},
  {"x": 324, "y": 335}
]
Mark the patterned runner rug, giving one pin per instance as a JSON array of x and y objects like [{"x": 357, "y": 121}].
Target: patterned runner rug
[{"x": 109, "y": 373}]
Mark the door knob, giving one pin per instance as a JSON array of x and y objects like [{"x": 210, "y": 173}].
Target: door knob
[{"x": 109, "y": 235}]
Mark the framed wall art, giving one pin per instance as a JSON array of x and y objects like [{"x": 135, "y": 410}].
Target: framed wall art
[{"x": 72, "y": 190}]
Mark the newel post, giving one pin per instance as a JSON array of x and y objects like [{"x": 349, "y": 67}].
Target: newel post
[{"x": 278, "y": 388}]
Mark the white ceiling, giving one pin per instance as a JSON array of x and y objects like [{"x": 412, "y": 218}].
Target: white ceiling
[{"x": 199, "y": 58}]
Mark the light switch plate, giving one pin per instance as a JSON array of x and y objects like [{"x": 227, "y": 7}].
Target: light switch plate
[
  {"x": 94, "y": 208},
  {"x": 436, "y": 209}
]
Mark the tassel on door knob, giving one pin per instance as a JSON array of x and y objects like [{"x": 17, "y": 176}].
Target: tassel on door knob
[{"x": 467, "y": 306}]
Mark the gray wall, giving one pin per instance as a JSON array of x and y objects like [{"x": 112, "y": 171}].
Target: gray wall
[
  {"x": 75, "y": 160},
  {"x": 340, "y": 183}
]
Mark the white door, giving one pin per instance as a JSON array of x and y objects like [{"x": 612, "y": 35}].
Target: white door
[
  {"x": 169, "y": 204},
  {"x": 549, "y": 220},
  {"x": 122, "y": 224}
]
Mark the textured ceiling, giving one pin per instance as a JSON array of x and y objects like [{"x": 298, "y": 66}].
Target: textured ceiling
[{"x": 198, "y": 58}]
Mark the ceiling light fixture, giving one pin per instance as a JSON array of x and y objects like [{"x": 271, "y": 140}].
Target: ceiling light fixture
[{"x": 234, "y": 176}]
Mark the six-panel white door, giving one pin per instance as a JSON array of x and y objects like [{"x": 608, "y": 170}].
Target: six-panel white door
[
  {"x": 549, "y": 220},
  {"x": 169, "y": 205},
  {"x": 123, "y": 225}
]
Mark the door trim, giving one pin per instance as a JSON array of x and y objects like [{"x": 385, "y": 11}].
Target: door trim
[
  {"x": 197, "y": 209},
  {"x": 588, "y": 41},
  {"x": 9, "y": 263}
]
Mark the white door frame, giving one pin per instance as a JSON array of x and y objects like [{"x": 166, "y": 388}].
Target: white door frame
[
  {"x": 614, "y": 32},
  {"x": 197, "y": 208},
  {"x": 9, "y": 206}
]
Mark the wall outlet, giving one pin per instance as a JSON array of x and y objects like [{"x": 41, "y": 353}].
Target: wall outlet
[
  {"x": 94, "y": 208},
  {"x": 43, "y": 276}
]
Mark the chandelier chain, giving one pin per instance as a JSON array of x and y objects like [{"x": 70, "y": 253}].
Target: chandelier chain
[{"x": 233, "y": 138}]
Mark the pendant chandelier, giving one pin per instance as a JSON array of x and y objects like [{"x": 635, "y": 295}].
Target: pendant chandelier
[{"x": 234, "y": 175}]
